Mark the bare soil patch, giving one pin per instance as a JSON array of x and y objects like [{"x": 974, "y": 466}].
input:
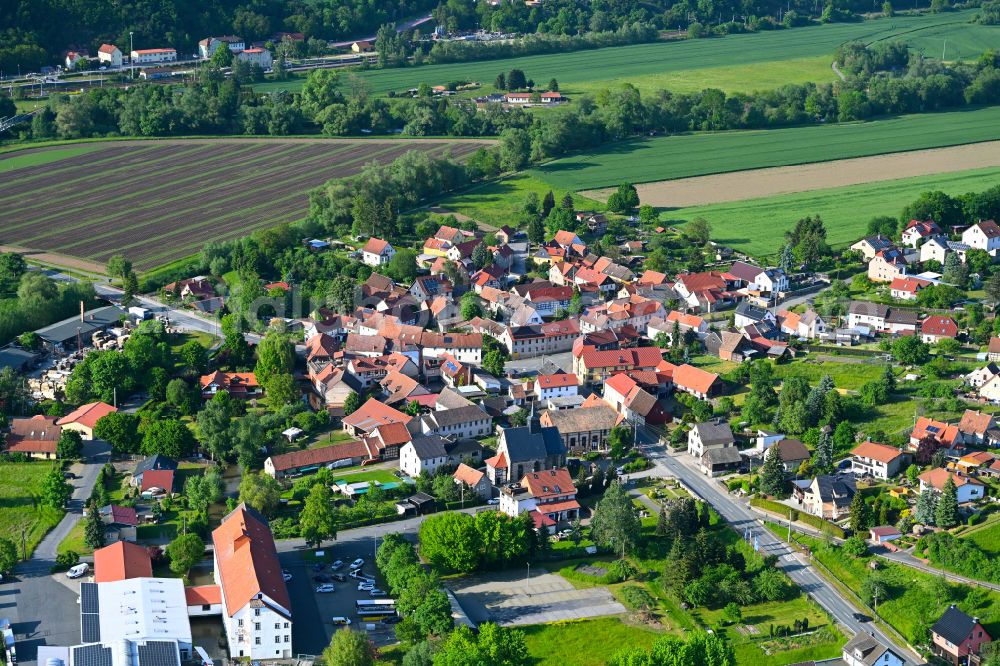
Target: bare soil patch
[{"x": 755, "y": 183}]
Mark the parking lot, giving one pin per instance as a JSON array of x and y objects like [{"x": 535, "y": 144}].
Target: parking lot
[
  {"x": 313, "y": 635},
  {"x": 511, "y": 598}
]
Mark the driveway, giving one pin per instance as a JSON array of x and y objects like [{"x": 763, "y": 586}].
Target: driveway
[
  {"x": 41, "y": 606},
  {"x": 563, "y": 359}
]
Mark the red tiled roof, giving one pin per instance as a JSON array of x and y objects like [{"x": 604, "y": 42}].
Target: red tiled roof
[
  {"x": 879, "y": 452},
  {"x": 375, "y": 246},
  {"x": 120, "y": 561},
  {"x": 635, "y": 358},
  {"x": 468, "y": 475},
  {"x": 910, "y": 285},
  {"x": 87, "y": 415},
  {"x": 318, "y": 456},
  {"x": 247, "y": 561},
  {"x": 937, "y": 477},
  {"x": 373, "y": 414},
  {"x": 939, "y": 326},
  {"x": 203, "y": 595},
  {"x": 555, "y": 381},
  {"x": 158, "y": 478},
  {"x": 549, "y": 482},
  {"x": 696, "y": 379}
]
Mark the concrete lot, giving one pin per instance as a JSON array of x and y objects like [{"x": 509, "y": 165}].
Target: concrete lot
[{"x": 509, "y": 598}]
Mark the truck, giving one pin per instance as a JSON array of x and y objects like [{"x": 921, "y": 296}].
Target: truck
[{"x": 141, "y": 314}]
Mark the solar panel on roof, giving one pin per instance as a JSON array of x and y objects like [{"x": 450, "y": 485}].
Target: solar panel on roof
[
  {"x": 92, "y": 655},
  {"x": 88, "y": 598},
  {"x": 158, "y": 653},
  {"x": 90, "y": 627}
]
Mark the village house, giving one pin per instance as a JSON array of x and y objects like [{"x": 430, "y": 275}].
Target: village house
[
  {"x": 705, "y": 292},
  {"x": 945, "y": 435},
  {"x": 865, "y": 650},
  {"x": 549, "y": 497},
  {"x": 938, "y": 248},
  {"x": 534, "y": 340},
  {"x": 685, "y": 322},
  {"x": 632, "y": 402},
  {"x": 829, "y": 497},
  {"x": 584, "y": 429},
  {"x": 809, "y": 325},
  {"x": 978, "y": 428},
  {"x": 882, "y": 318},
  {"x": 792, "y": 452},
  {"x": 906, "y": 288},
  {"x": 241, "y": 385},
  {"x": 208, "y": 46},
  {"x": 937, "y": 327},
  {"x": 256, "y": 56},
  {"x": 85, "y": 417},
  {"x": 469, "y": 422},
  {"x": 712, "y": 434},
  {"x": 917, "y": 231},
  {"x": 877, "y": 460},
  {"x": 958, "y": 638},
  {"x": 35, "y": 437},
  {"x": 528, "y": 448},
  {"x": 984, "y": 235},
  {"x": 121, "y": 560},
  {"x": 991, "y": 390},
  {"x": 377, "y": 252},
  {"x": 474, "y": 480},
  {"x": 887, "y": 265},
  {"x": 256, "y": 609},
  {"x": 592, "y": 366},
  {"x": 967, "y": 489},
  {"x": 981, "y": 376},
  {"x": 371, "y": 415},
  {"x": 310, "y": 460},
  {"x": 872, "y": 245},
  {"x": 110, "y": 56},
  {"x": 754, "y": 278},
  {"x": 154, "y": 463},
  {"x": 555, "y": 385},
  {"x": 149, "y": 56},
  {"x": 748, "y": 314},
  {"x": 422, "y": 454},
  {"x": 120, "y": 523},
  {"x": 993, "y": 349},
  {"x": 699, "y": 383}
]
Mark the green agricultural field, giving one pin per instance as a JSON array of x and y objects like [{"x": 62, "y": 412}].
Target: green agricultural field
[
  {"x": 987, "y": 538},
  {"x": 20, "y": 513},
  {"x": 754, "y": 226},
  {"x": 499, "y": 202},
  {"x": 590, "y": 642},
  {"x": 30, "y": 159},
  {"x": 683, "y": 156},
  {"x": 645, "y": 64}
]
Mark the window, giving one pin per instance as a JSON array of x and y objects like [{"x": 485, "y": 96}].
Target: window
[
  {"x": 256, "y": 626},
  {"x": 239, "y": 623},
  {"x": 277, "y": 625},
  {"x": 286, "y": 625},
  {"x": 208, "y": 607},
  {"x": 256, "y": 611},
  {"x": 277, "y": 639},
  {"x": 256, "y": 640},
  {"x": 286, "y": 638}
]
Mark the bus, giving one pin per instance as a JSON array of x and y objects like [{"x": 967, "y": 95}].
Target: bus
[{"x": 375, "y": 609}]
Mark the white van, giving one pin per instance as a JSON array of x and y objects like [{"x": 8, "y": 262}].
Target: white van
[{"x": 79, "y": 570}]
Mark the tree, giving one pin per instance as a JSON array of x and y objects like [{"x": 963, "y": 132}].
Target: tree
[
  {"x": 887, "y": 9},
  {"x": 118, "y": 266},
  {"x": 620, "y": 440},
  {"x": 698, "y": 230},
  {"x": 184, "y": 552},
  {"x": 221, "y": 58},
  {"x": 130, "y": 287},
  {"x": 352, "y": 403},
  {"x": 515, "y": 149},
  {"x": 450, "y": 540},
  {"x": 403, "y": 266},
  {"x": 615, "y": 523},
  {"x": 169, "y": 437},
  {"x": 625, "y": 198},
  {"x": 281, "y": 390},
  {"x": 494, "y": 362},
  {"x": 234, "y": 331},
  {"x": 697, "y": 648},
  {"x": 926, "y": 448},
  {"x": 946, "y": 513},
  {"x": 873, "y": 588},
  {"x": 955, "y": 272},
  {"x": 120, "y": 430},
  {"x": 861, "y": 516},
  {"x": 470, "y": 306},
  {"x": 924, "y": 512},
  {"x": 8, "y": 555},
  {"x": 732, "y": 614},
  {"x": 824, "y": 452},
  {"x": 275, "y": 356},
  {"x": 910, "y": 350},
  {"x": 260, "y": 492},
  {"x": 772, "y": 473},
  {"x": 548, "y": 203},
  {"x": 203, "y": 491},
  {"x": 317, "y": 521},
  {"x": 500, "y": 83},
  {"x": 516, "y": 80},
  {"x": 536, "y": 233},
  {"x": 936, "y": 206},
  {"x": 93, "y": 529},
  {"x": 992, "y": 288},
  {"x": 481, "y": 257},
  {"x": 70, "y": 445},
  {"x": 55, "y": 491}
]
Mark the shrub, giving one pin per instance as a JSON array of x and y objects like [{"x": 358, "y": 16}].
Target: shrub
[
  {"x": 855, "y": 547},
  {"x": 637, "y": 598},
  {"x": 622, "y": 570},
  {"x": 65, "y": 561}
]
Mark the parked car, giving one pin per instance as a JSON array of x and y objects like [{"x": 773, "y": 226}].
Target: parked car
[
  {"x": 366, "y": 586},
  {"x": 358, "y": 573},
  {"x": 79, "y": 570},
  {"x": 322, "y": 589},
  {"x": 286, "y": 575},
  {"x": 495, "y": 500},
  {"x": 341, "y": 578},
  {"x": 336, "y": 565},
  {"x": 340, "y": 619},
  {"x": 358, "y": 563},
  {"x": 376, "y": 593}
]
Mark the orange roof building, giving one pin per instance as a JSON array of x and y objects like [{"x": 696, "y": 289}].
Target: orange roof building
[
  {"x": 120, "y": 561},
  {"x": 85, "y": 417},
  {"x": 256, "y": 608}
]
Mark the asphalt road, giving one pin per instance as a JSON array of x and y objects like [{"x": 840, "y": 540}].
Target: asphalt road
[{"x": 792, "y": 563}]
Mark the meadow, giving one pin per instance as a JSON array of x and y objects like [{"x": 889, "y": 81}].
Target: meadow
[
  {"x": 649, "y": 66},
  {"x": 159, "y": 201},
  {"x": 755, "y": 225},
  {"x": 20, "y": 513},
  {"x": 681, "y": 156}
]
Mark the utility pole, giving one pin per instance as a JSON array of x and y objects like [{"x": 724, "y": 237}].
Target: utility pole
[
  {"x": 789, "y": 525},
  {"x": 131, "y": 62}
]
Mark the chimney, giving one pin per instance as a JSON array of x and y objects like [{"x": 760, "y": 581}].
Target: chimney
[{"x": 81, "y": 311}]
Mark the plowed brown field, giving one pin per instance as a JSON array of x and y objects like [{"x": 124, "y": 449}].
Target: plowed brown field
[{"x": 159, "y": 201}]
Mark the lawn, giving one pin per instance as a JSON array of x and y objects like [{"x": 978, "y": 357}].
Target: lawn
[
  {"x": 20, "y": 513},
  {"x": 590, "y": 642},
  {"x": 850, "y": 376},
  {"x": 754, "y": 225},
  {"x": 379, "y": 475},
  {"x": 682, "y": 156},
  {"x": 500, "y": 202},
  {"x": 650, "y": 65},
  {"x": 987, "y": 538},
  {"x": 913, "y": 603}
]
